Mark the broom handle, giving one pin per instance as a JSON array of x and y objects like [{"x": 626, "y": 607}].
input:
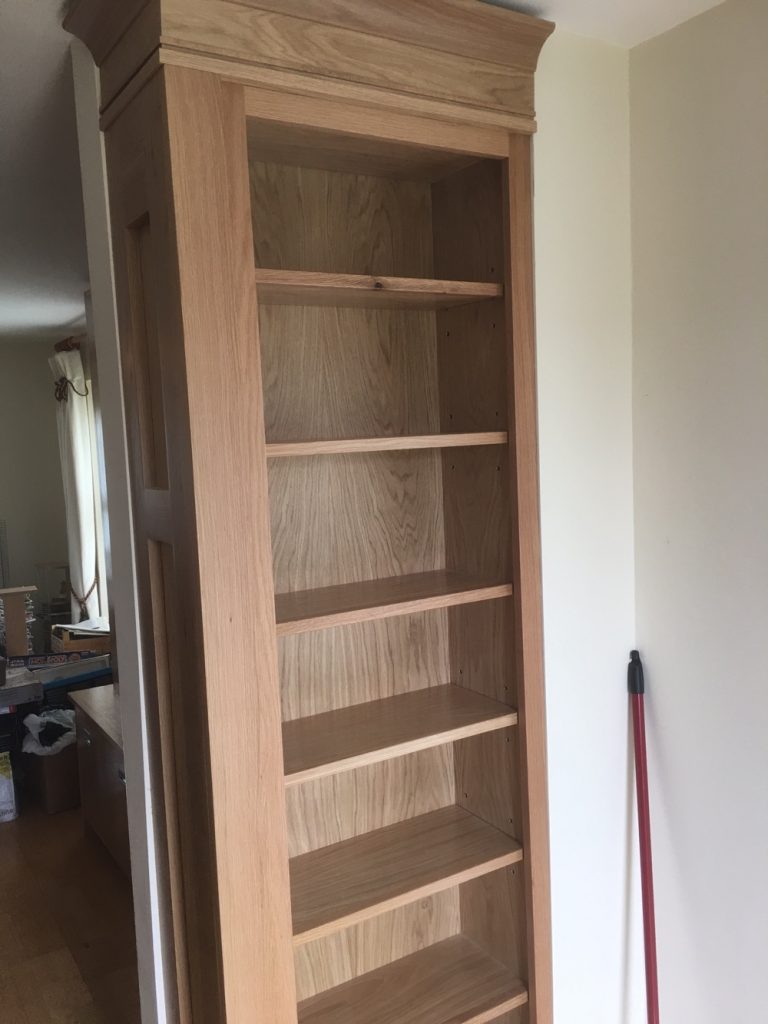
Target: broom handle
[{"x": 637, "y": 700}]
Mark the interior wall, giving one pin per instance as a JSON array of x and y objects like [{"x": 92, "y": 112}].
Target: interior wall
[
  {"x": 583, "y": 292},
  {"x": 700, "y": 227},
  {"x": 31, "y": 491}
]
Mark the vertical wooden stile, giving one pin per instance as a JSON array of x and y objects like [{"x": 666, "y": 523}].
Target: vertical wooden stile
[
  {"x": 526, "y": 559},
  {"x": 178, "y": 168}
]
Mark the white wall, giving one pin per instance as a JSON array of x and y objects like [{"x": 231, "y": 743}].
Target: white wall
[
  {"x": 700, "y": 226},
  {"x": 583, "y": 271},
  {"x": 31, "y": 491}
]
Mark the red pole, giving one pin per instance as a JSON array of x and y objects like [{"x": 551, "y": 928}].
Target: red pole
[{"x": 637, "y": 699}]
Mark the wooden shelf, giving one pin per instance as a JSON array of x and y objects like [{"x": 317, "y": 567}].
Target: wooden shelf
[
  {"x": 302, "y": 611},
  {"x": 451, "y": 982},
  {"x": 287, "y": 449},
  {"x": 308, "y": 288},
  {"x": 340, "y": 885},
  {"x": 378, "y": 730}
]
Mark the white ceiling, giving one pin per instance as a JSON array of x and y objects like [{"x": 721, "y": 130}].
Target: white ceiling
[
  {"x": 623, "y": 22},
  {"x": 42, "y": 246}
]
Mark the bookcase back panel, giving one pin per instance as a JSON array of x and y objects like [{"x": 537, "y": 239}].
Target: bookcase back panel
[
  {"x": 332, "y": 372},
  {"x": 309, "y": 219},
  {"x": 326, "y": 811},
  {"x": 344, "y": 518},
  {"x": 328, "y": 962},
  {"x": 333, "y": 668}
]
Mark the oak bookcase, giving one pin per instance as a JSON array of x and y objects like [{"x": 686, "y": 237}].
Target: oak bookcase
[{"x": 321, "y": 215}]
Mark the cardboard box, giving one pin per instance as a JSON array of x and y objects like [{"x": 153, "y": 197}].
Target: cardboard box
[
  {"x": 66, "y": 641},
  {"x": 52, "y": 780}
]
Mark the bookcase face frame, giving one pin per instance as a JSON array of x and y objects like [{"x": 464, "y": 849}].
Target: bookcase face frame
[{"x": 326, "y": 316}]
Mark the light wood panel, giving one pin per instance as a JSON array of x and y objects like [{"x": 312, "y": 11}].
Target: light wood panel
[
  {"x": 325, "y": 222},
  {"x": 351, "y": 445},
  {"x": 362, "y": 661},
  {"x": 244, "y": 32},
  {"x": 178, "y": 164},
  {"x": 353, "y": 517},
  {"x": 380, "y": 101},
  {"x": 492, "y": 911},
  {"x": 526, "y": 559},
  {"x": 303, "y": 288},
  {"x": 335, "y": 959},
  {"x": 468, "y": 215},
  {"x": 324, "y": 133},
  {"x": 339, "y": 807},
  {"x": 306, "y": 610},
  {"x": 465, "y": 27},
  {"x": 451, "y": 982},
  {"x": 378, "y": 730},
  {"x": 339, "y": 885},
  {"x": 102, "y": 705},
  {"x": 348, "y": 373}
]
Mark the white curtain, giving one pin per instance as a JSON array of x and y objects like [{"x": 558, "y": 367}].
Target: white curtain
[{"x": 81, "y": 492}]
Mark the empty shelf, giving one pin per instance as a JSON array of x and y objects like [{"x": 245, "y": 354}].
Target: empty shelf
[
  {"x": 378, "y": 730},
  {"x": 301, "y": 611},
  {"x": 286, "y": 449},
  {"x": 307, "y": 288},
  {"x": 339, "y": 885},
  {"x": 452, "y": 982}
]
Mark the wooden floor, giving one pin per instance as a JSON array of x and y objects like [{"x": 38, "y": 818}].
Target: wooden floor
[{"x": 67, "y": 949}]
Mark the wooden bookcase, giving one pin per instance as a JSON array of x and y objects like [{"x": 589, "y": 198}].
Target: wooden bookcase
[{"x": 322, "y": 239}]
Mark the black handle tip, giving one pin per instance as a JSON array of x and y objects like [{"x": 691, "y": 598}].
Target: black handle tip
[{"x": 635, "y": 680}]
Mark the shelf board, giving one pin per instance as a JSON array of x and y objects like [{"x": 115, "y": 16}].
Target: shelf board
[
  {"x": 379, "y": 730},
  {"x": 301, "y": 611},
  {"x": 348, "y": 882},
  {"x": 310, "y": 288},
  {"x": 351, "y": 445},
  {"x": 451, "y": 982}
]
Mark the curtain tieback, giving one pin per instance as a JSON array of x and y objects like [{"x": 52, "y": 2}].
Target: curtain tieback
[
  {"x": 83, "y": 601},
  {"x": 61, "y": 389}
]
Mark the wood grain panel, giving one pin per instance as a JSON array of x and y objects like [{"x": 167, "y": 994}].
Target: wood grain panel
[
  {"x": 468, "y": 216},
  {"x": 226, "y": 431},
  {"x": 333, "y": 668},
  {"x": 102, "y": 705},
  {"x": 319, "y": 132},
  {"x": 356, "y": 445},
  {"x": 488, "y": 779},
  {"x": 526, "y": 557},
  {"x": 359, "y": 878},
  {"x": 132, "y": 49},
  {"x": 493, "y": 916},
  {"x": 348, "y": 373},
  {"x": 338, "y": 958},
  {"x": 304, "y": 610},
  {"x": 452, "y": 982},
  {"x": 181, "y": 144},
  {"x": 337, "y": 808},
  {"x": 486, "y": 33},
  {"x": 381, "y": 729},
  {"x": 482, "y": 653},
  {"x": 307, "y": 219},
  {"x": 322, "y": 50},
  {"x": 304, "y": 288},
  {"x": 100, "y": 25},
  {"x": 345, "y": 519}
]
